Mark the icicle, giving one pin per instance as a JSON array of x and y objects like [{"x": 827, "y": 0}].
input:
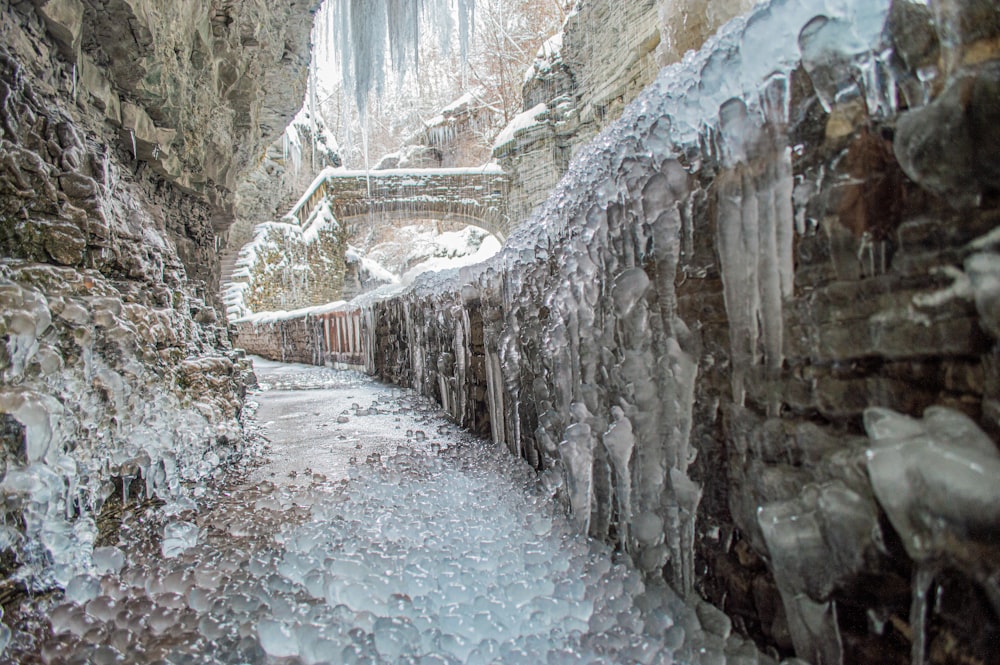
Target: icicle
[
  {"x": 74, "y": 82},
  {"x": 135, "y": 154},
  {"x": 619, "y": 441},
  {"x": 922, "y": 580},
  {"x": 364, "y": 143},
  {"x": 362, "y": 27},
  {"x": 313, "y": 127}
]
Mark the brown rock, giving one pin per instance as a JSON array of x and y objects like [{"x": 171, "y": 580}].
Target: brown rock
[{"x": 64, "y": 243}]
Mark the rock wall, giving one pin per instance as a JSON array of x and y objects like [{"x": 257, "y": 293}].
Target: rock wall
[
  {"x": 751, "y": 338},
  {"x": 204, "y": 87},
  {"x": 606, "y": 54},
  {"x": 118, "y": 122},
  {"x": 273, "y": 186}
]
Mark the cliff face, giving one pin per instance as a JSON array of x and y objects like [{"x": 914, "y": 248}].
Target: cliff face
[
  {"x": 204, "y": 86},
  {"x": 125, "y": 128},
  {"x": 606, "y": 54}
]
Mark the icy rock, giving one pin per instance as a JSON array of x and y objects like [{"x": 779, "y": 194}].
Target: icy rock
[
  {"x": 937, "y": 488},
  {"x": 983, "y": 270},
  {"x": 714, "y": 620},
  {"x": 178, "y": 537},
  {"x": 945, "y": 146},
  {"x": 820, "y": 538},
  {"x": 817, "y": 541},
  {"x": 830, "y": 48},
  {"x": 42, "y": 417}
]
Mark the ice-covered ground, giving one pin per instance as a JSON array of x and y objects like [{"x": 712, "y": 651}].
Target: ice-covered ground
[{"x": 429, "y": 546}]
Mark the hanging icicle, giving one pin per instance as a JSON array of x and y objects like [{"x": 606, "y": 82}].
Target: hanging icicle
[
  {"x": 313, "y": 107},
  {"x": 362, "y": 27}
]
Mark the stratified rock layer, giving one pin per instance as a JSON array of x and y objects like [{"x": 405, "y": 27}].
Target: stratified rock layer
[
  {"x": 123, "y": 129},
  {"x": 583, "y": 78}
]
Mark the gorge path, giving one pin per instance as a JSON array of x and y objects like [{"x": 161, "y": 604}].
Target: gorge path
[{"x": 375, "y": 532}]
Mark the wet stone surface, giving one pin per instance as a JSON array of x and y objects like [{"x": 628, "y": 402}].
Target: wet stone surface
[{"x": 426, "y": 546}]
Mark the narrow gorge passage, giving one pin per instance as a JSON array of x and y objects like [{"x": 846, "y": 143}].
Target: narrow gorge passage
[{"x": 375, "y": 532}]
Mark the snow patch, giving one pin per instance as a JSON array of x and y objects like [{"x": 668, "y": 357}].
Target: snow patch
[{"x": 520, "y": 122}]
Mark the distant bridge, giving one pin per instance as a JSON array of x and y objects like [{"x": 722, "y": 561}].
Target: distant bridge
[{"x": 476, "y": 196}]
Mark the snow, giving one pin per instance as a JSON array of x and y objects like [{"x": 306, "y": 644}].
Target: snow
[
  {"x": 317, "y": 182},
  {"x": 301, "y": 313},
  {"x": 373, "y": 268},
  {"x": 416, "y": 249},
  {"x": 490, "y": 168},
  {"x": 520, "y": 122},
  {"x": 466, "y": 99},
  {"x": 321, "y": 217},
  {"x": 549, "y": 53}
]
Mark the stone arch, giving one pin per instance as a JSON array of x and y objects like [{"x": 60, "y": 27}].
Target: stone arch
[{"x": 477, "y": 195}]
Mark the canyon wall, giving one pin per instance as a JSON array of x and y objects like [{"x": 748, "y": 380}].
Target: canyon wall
[
  {"x": 751, "y": 336},
  {"x": 583, "y": 78},
  {"x": 124, "y": 130}
]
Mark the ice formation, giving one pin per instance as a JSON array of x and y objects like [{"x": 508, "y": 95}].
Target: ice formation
[
  {"x": 936, "y": 480},
  {"x": 362, "y": 29},
  {"x": 143, "y": 439}
]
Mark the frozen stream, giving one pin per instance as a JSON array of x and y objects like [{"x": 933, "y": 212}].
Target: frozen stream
[{"x": 377, "y": 533}]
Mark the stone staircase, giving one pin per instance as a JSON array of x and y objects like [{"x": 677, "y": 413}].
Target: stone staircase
[{"x": 227, "y": 265}]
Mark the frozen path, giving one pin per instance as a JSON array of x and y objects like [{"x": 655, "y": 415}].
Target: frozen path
[{"x": 423, "y": 545}]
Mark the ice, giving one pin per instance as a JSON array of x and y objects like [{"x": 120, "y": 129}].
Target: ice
[
  {"x": 983, "y": 270},
  {"x": 935, "y": 479},
  {"x": 933, "y": 482},
  {"x": 823, "y": 536},
  {"x": 362, "y": 30},
  {"x": 578, "y": 454},
  {"x": 178, "y": 537},
  {"x": 277, "y": 639},
  {"x": 108, "y": 559},
  {"x": 82, "y": 588},
  {"x": 579, "y": 311}
]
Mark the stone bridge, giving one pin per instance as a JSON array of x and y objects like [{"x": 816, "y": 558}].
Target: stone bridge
[{"x": 476, "y": 195}]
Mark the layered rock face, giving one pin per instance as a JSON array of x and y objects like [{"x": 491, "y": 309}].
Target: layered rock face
[
  {"x": 752, "y": 336},
  {"x": 124, "y": 130},
  {"x": 584, "y": 77}
]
